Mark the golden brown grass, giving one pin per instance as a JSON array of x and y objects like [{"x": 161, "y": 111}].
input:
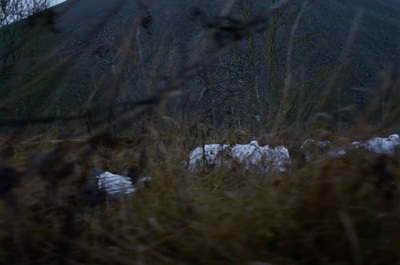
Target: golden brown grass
[{"x": 333, "y": 211}]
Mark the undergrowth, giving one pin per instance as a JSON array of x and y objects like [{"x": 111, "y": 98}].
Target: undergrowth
[{"x": 331, "y": 211}]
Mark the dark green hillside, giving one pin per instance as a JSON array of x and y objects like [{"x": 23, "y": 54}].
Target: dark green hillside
[{"x": 83, "y": 48}]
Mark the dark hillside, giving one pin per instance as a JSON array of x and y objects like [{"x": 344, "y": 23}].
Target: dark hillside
[
  {"x": 92, "y": 30},
  {"x": 91, "y": 34},
  {"x": 376, "y": 42}
]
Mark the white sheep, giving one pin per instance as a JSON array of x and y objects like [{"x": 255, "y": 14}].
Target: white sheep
[
  {"x": 376, "y": 145},
  {"x": 115, "y": 185},
  {"x": 251, "y": 156}
]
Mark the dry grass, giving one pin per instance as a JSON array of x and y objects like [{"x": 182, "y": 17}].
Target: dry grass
[{"x": 335, "y": 211}]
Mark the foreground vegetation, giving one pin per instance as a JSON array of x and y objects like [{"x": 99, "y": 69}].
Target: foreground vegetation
[{"x": 331, "y": 211}]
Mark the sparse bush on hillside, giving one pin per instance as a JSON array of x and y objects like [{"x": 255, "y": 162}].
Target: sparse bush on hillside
[
  {"x": 19, "y": 40},
  {"x": 14, "y": 23}
]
